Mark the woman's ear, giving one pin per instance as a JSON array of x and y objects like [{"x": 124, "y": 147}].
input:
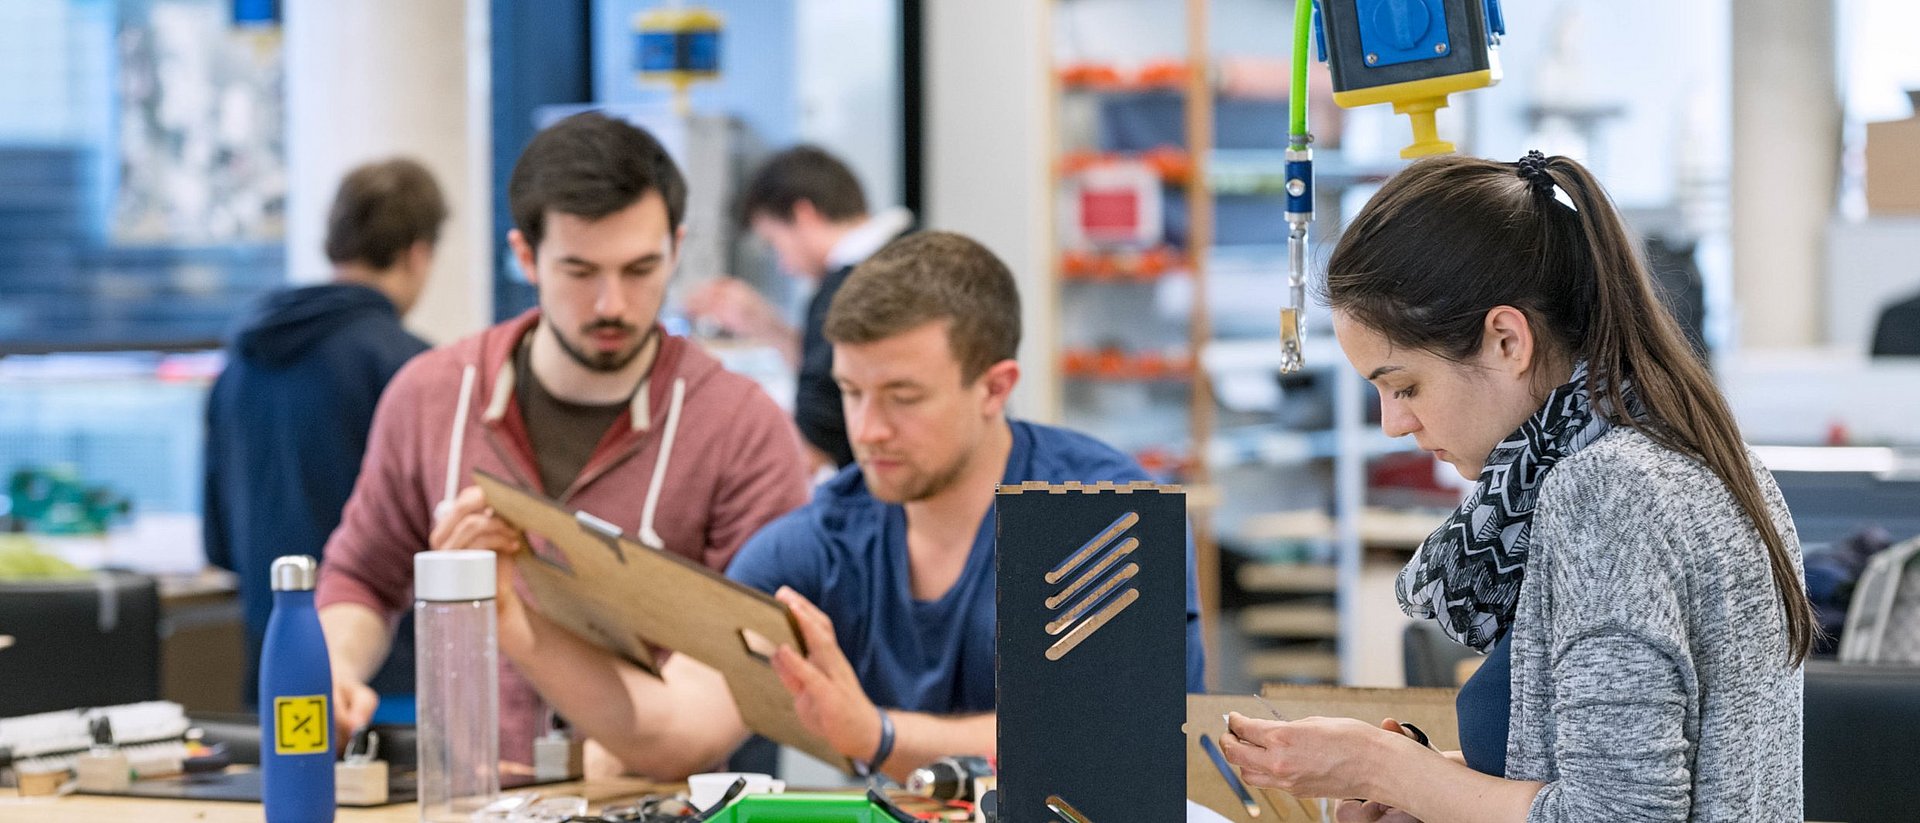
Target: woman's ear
[{"x": 1506, "y": 342}]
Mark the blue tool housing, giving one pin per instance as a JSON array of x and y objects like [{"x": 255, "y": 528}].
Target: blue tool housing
[{"x": 1402, "y": 31}]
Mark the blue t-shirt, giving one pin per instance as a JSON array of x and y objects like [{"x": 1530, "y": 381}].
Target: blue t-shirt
[
  {"x": 846, "y": 551},
  {"x": 1485, "y": 706}
]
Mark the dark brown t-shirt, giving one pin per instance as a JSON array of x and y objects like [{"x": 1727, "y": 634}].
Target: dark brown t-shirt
[{"x": 563, "y": 434}]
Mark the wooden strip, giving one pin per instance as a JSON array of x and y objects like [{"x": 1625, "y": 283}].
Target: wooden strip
[
  {"x": 1098, "y": 595},
  {"x": 1085, "y": 630},
  {"x": 1099, "y": 542},
  {"x": 1106, "y": 562}
]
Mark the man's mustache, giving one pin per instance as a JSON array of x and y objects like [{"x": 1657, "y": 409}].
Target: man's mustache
[{"x": 609, "y": 325}]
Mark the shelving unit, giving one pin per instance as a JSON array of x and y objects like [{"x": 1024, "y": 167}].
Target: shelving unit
[
  {"x": 1127, "y": 381},
  {"x": 1149, "y": 329}
]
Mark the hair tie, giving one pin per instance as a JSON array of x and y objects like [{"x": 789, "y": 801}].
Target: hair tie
[{"x": 1533, "y": 169}]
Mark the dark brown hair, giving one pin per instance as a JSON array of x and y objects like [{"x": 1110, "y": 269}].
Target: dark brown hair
[
  {"x": 381, "y": 210},
  {"x": 1450, "y": 238},
  {"x": 802, "y": 173},
  {"x": 591, "y": 165},
  {"x": 931, "y": 276}
]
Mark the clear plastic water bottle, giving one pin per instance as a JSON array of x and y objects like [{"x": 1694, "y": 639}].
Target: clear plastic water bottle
[{"x": 457, "y": 683}]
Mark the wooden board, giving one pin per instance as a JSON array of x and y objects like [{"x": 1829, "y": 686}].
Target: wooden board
[
  {"x": 1205, "y": 783},
  {"x": 1430, "y": 709},
  {"x": 622, "y": 596}
]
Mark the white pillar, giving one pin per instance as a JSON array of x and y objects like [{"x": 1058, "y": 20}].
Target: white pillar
[
  {"x": 1786, "y": 156},
  {"x": 987, "y": 158},
  {"x": 370, "y": 79}
]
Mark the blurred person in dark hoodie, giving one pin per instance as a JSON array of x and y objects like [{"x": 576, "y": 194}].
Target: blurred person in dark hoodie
[{"x": 287, "y": 420}]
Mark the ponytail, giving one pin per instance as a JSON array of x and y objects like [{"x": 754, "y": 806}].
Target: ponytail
[{"x": 1632, "y": 334}]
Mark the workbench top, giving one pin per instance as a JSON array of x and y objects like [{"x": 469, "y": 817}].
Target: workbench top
[{"x": 70, "y": 808}]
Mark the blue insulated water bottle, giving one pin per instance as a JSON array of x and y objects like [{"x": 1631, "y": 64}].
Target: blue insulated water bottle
[{"x": 296, "y": 701}]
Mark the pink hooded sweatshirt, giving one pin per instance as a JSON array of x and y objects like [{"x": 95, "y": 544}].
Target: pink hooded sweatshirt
[{"x": 701, "y": 460}]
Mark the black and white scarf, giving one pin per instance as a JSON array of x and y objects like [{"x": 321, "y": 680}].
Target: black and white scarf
[{"x": 1466, "y": 576}]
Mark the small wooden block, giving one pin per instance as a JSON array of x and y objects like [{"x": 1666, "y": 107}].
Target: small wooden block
[
  {"x": 557, "y": 758},
  {"x": 42, "y": 783},
  {"x": 103, "y": 774},
  {"x": 362, "y": 783}
]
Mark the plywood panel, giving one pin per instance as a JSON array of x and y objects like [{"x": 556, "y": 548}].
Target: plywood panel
[
  {"x": 1430, "y": 709},
  {"x": 623, "y": 596}
]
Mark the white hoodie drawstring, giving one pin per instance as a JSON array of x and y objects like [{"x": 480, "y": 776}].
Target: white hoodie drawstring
[
  {"x": 457, "y": 445},
  {"x": 647, "y": 535}
]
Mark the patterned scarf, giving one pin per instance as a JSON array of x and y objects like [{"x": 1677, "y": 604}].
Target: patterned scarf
[{"x": 1467, "y": 574}]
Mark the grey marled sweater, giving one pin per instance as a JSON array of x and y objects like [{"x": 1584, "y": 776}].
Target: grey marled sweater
[{"x": 1649, "y": 676}]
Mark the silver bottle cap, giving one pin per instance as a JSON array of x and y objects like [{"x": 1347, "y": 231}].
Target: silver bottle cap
[{"x": 294, "y": 573}]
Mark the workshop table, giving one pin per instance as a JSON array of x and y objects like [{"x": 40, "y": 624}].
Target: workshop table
[{"x": 146, "y": 810}]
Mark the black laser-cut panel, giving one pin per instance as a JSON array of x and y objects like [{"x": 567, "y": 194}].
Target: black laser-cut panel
[{"x": 1091, "y": 653}]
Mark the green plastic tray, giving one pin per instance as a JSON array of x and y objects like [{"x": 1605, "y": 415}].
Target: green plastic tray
[{"x": 806, "y": 808}]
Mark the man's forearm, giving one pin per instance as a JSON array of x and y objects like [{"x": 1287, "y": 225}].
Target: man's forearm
[
  {"x": 919, "y": 739},
  {"x": 358, "y": 639},
  {"x": 665, "y": 728}
]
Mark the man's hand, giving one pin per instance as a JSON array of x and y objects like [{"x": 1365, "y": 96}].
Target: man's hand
[
  {"x": 470, "y": 524},
  {"x": 734, "y": 306},
  {"x": 353, "y": 705},
  {"x": 826, "y": 693}
]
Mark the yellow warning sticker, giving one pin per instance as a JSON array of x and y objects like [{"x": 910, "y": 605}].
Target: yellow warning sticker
[{"x": 300, "y": 724}]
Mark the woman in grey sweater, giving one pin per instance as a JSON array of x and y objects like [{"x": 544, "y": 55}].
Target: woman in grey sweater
[{"x": 1628, "y": 564}]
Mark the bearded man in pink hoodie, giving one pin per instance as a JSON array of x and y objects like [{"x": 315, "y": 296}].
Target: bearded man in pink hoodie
[{"x": 585, "y": 399}]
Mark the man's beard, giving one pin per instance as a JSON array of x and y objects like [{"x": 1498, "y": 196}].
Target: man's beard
[
  {"x": 603, "y": 361},
  {"x": 924, "y": 486}
]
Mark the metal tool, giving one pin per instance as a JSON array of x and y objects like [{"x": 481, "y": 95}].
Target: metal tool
[
  {"x": 950, "y": 778},
  {"x": 1299, "y": 214},
  {"x": 1226, "y": 771}
]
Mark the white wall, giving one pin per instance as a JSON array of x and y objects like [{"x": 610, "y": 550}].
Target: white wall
[
  {"x": 1664, "y": 62},
  {"x": 370, "y": 79},
  {"x": 1786, "y": 158},
  {"x": 1870, "y": 264},
  {"x": 986, "y": 161},
  {"x": 847, "y": 73}
]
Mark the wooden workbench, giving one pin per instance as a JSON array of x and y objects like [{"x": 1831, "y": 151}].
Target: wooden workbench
[{"x": 141, "y": 810}]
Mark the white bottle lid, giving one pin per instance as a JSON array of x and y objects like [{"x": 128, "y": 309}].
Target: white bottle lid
[{"x": 461, "y": 574}]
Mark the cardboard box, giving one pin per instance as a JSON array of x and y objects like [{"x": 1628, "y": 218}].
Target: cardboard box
[
  {"x": 1893, "y": 167},
  {"x": 1430, "y": 709}
]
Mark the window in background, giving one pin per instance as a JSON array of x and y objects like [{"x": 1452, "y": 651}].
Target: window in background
[
  {"x": 842, "y": 74},
  {"x": 126, "y": 428},
  {"x": 142, "y": 172}
]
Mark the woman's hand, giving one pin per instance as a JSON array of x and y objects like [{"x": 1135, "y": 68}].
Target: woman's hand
[
  {"x": 1317, "y": 756},
  {"x": 1367, "y": 811}
]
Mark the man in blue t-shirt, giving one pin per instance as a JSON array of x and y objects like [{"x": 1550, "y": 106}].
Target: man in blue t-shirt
[{"x": 889, "y": 570}]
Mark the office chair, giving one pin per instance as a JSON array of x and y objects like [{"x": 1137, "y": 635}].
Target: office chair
[
  {"x": 91, "y": 641},
  {"x": 1862, "y": 741},
  {"x": 1883, "y": 620}
]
